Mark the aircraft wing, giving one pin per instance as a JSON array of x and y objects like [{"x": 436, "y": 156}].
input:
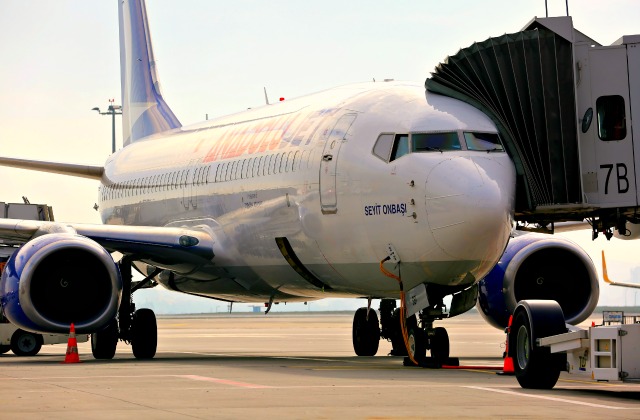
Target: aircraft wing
[
  {"x": 84, "y": 171},
  {"x": 158, "y": 246},
  {"x": 615, "y": 283}
]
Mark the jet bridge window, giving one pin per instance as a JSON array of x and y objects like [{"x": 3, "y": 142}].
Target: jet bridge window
[
  {"x": 489, "y": 142},
  {"x": 427, "y": 142},
  {"x": 611, "y": 118}
]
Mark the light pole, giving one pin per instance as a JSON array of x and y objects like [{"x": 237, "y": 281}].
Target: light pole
[{"x": 112, "y": 110}]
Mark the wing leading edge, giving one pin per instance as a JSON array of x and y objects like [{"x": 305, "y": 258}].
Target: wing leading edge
[{"x": 158, "y": 246}]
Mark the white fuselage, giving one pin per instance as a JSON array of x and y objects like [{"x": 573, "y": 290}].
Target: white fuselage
[{"x": 305, "y": 170}]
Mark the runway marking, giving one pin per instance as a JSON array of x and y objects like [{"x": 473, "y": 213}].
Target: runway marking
[
  {"x": 544, "y": 397},
  {"x": 221, "y": 381}
]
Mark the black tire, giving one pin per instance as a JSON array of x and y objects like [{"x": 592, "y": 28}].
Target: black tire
[
  {"x": 439, "y": 344},
  {"x": 4, "y": 349},
  {"x": 104, "y": 343},
  {"x": 24, "y": 343},
  {"x": 536, "y": 367},
  {"x": 417, "y": 342},
  {"x": 398, "y": 347},
  {"x": 144, "y": 334},
  {"x": 365, "y": 333}
]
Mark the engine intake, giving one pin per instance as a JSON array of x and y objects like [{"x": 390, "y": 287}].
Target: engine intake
[
  {"x": 56, "y": 279},
  {"x": 538, "y": 267}
]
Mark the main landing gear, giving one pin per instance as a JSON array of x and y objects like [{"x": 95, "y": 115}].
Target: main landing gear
[
  {"x": 421, "y": 334},
  {"x": 135, "y": 327}
]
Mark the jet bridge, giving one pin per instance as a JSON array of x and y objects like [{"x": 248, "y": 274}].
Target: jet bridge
[{"x": 564, "y": 105}]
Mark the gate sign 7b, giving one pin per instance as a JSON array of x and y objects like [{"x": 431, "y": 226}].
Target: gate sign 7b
[{"x": 621, "y": 175}]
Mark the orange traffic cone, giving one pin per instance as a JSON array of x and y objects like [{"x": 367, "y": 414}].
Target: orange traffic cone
[
  {"x": 507, "y": 367},
  {"x": 72, "y": 355}
]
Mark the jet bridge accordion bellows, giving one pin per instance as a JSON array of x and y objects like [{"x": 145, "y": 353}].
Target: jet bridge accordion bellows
[{"x": 525, "y": 83}]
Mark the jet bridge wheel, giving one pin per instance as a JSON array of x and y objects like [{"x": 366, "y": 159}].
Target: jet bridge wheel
[
  {"x": 104, "y": 342},
  {"x": 144, "y": 334},
  {"x": 536, "y": 367},
  {"x": 365, "y": 333}
]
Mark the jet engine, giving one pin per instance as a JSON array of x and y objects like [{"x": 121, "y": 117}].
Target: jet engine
[
  {"x": 536, "y": 266},
  {"x": 58, "y": 279}
]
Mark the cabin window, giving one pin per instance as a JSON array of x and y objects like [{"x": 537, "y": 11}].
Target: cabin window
[
  {"x": 296, "y": 160},
  {"x": 238, "y": 173},
  {"x": 243, "y": 169},
  {"x": 223, "y": 171},
  {"x": 276, "y": 165},
  {"x": 612, "y": 124},
  {"x": 489, "y": 142},
  {"x": 427, "y": 142},
  {"x": 270, "y": 162},
  {"x": 234, "y": 167},
  {"x": 306, "y": 157}
]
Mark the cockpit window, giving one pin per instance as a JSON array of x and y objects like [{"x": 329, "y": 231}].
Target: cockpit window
[
  {"x": 400, "y": 146},
  {"x": 489, "y": 142},
  {"x": 427, "y": 142},
  {"x": 383, "y": 146}
]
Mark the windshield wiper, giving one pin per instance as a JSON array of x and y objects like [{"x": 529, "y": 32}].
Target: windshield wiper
[{"x": 429, "y": 148}]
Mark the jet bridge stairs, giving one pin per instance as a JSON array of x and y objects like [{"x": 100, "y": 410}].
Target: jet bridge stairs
[{"x": 564, "y": 105}]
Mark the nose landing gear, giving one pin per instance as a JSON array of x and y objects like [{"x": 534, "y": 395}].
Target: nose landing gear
[{"x": 422, "y": 336}]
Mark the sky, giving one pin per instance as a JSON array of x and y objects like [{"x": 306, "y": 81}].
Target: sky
[{"x": 60, "y": 59}]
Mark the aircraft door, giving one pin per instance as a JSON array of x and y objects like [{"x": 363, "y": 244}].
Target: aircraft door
[
  {"x": 609, "y": 129},
  {"x": 329, "y": 163}
]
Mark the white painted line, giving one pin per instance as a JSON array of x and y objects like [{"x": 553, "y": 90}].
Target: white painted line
[{"x": 544, "y": 397}]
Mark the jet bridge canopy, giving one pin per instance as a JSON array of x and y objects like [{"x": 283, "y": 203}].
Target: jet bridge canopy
[
  {"x": 543, "y": 86},
  {"x": 525, "y": 83}
]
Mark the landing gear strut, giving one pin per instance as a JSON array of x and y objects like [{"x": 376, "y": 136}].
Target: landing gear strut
[
  {"x": 421, "y": 333},
  {"x": 137, "y": 327}
]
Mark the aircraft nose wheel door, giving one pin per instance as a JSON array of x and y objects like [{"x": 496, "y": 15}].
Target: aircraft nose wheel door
[{"x": 329, "y": 163}]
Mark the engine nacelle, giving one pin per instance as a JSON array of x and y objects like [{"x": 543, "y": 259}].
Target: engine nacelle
[
  {"x": 537, "y": 266},
  {"x": 58, "y": 279},
  {"x": 632, "y": 231}
]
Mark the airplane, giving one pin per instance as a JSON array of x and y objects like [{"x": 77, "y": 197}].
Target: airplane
[{"x": 302, "y": 199}]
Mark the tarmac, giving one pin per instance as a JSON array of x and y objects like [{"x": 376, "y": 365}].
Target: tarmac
[{"x": 291, "y": 366}]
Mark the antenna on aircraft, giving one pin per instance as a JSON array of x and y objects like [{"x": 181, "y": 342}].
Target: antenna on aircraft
[{"x": 266, "y": 98}]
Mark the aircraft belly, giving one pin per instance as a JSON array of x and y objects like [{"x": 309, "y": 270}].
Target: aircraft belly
[{"x": 247, "y": 286}]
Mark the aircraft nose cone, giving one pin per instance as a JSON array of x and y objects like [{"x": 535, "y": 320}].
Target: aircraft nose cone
[{"x": 469, "y": 203}]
